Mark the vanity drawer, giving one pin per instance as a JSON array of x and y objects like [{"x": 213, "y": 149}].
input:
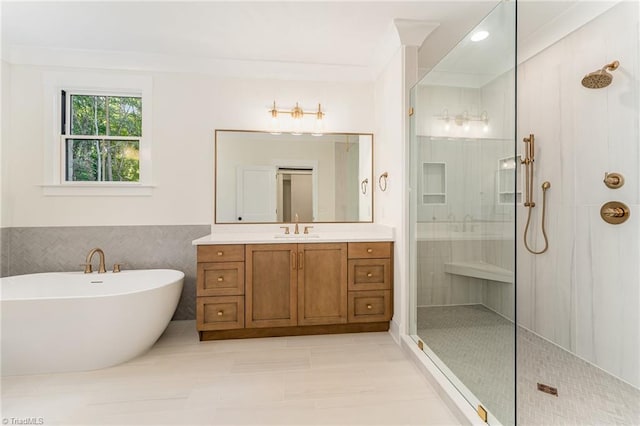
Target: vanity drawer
[
  {"x": 369, "y": 250},
  {"x": 369, "y": 274},
  {"x": 220, "y": 313},
  {"x": 369, "y": 306},
  {"x": 220, "y": 279},
  {"x": 221, "y": 253}
]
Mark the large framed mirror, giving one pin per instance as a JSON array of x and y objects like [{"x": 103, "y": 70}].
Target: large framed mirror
[{"x": 268, "y": 178}]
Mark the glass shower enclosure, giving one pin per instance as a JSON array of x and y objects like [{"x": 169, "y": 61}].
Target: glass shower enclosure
[
  {"x": 524, "y": 235},
  {"x": 463, "y": 163}
]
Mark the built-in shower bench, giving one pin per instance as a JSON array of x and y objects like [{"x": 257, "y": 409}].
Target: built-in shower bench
[{"x": 479, "y": 269}]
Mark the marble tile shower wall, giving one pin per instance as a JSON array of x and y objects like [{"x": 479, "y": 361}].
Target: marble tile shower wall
[
  {"x": 584, "y": 293},
  {"x": 438, "y": 288},
  {"x": 54, "y": 249}
]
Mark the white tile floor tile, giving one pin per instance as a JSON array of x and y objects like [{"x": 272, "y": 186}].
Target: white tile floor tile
[{"x": 345, "y": 379}]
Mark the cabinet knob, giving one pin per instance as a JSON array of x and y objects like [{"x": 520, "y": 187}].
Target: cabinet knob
[
  {"x": 369, "y": 274},
  {"x": 220, "y": 279},
  {"x": 369, "y": 250},
  {"x": 220, "y": 313},
  {"x": 369, "y": 307},
  {"x": 220, "y": 253}
]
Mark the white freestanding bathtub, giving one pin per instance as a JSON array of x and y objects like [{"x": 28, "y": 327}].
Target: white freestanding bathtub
[{"x": 70, "y": 321}]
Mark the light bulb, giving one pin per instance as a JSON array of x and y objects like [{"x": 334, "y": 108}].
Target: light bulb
[
  {"x": 275, "y": 123},
  {"x": 319, "y": 124},
  {"x": 479, "y": 35},
  {"x": 297, "y": 124},
  {"x": 275, "y": 126},
  {"x": 445, "y": 117},
  {"x": 317, "y": 128},
  {"x": 485, "y": 128}
]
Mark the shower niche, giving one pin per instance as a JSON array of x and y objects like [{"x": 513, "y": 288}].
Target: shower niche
[
  {"x": 434, "y": 183},
  {"x": 509, "y": 189}
]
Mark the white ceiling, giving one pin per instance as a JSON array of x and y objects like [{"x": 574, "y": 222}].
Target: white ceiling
[
  {"x": 539, "y": 25},
  {"x": 334, "y": 33}
]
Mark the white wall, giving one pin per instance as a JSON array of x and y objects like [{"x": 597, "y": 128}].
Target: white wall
[
  {"x": 390, "y": 155},
  {"x": 5, "y": 125},
  {"x": 187, "y": 108},
  {"x": 584, "y": 293}
]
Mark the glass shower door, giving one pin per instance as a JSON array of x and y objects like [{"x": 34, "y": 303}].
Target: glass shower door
[{"x": 464, "y": 190}]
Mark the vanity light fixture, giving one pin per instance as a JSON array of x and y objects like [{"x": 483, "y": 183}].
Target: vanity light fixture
[
  {"x": 297, "y": 114},
  {"x": 464, "y": 120}
]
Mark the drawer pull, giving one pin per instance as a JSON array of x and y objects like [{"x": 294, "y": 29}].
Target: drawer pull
[
  {"x": 369, "y": 307},
  {"x": 220, "y": 279},
  {"x": 220, "y": 253},
  {"x": 369, "y": 274},
  {"x": 369, "y": 250},
  {"x": 220, "y": 313}
]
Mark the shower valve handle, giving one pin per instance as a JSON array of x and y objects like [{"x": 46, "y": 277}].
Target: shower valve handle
[
  {"x": 613, "y": 180},
  {"x": 614, "y": 212}
]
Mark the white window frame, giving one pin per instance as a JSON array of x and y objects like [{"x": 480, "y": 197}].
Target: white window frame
[{"x": 55, "y": 183}]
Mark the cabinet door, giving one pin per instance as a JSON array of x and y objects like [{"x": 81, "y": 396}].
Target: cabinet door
[
  {"x": 322, "y": 283},
  {"x": 270, "y": 285}
]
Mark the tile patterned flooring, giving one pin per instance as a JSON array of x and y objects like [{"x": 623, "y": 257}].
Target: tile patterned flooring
[
  {"x": 470, "y": 336},
  {"x": 345, "y": 379}
]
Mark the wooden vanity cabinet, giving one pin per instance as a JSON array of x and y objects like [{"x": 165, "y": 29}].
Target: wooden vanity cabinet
[
  {"x": 296, "y": 284},
  {"x": 322, "y": 283},
  {"x": 272, "y": 275},
  {"x": 258, "y": 290},
  {"x": 220, "y": 287},
  {"x": 370, "y": 282}
]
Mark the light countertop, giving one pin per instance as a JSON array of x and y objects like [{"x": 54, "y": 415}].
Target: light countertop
[{"x": 273, "y": 234}]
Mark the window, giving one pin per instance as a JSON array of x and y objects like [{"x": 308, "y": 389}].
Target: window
[
  {"x": 98, "y": 137},
  {"x": 101, "y": 136}
]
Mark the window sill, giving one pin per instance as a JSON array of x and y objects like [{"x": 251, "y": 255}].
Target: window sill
[{"x": 97, "y": 189}]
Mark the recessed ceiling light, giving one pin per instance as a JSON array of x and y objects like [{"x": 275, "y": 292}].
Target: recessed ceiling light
[{"x": 479, "y": 35}]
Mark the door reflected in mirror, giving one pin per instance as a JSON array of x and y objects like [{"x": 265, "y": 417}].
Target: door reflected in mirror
[{"x": 266, "y": 178}]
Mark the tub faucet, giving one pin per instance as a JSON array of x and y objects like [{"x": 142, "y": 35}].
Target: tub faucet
[{"x": 87, "y": 265}]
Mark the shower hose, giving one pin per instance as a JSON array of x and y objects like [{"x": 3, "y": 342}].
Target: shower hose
[{"x": 545, "y": 186}]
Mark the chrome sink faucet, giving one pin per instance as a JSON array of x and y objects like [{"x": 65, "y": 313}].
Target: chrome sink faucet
[
  {"x": 87, "y": 265},
  {"x": 296, "y": 230}
]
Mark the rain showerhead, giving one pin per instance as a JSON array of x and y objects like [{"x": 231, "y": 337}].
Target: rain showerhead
[{"x": 600, "y": 78}]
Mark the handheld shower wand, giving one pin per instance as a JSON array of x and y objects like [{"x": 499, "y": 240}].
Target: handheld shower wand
[{"x": 528, "y": 202}]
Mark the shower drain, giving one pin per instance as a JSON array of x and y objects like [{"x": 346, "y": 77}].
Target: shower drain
[{"x": 548, "y": 389}]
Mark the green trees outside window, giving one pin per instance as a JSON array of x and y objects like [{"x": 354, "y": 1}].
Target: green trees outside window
[{"x": 103, "y": 138}]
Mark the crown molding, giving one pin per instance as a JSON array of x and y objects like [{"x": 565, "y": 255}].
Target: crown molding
[{"x": 145, "y": 62}]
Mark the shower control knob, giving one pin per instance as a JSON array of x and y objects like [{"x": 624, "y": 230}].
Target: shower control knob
[
  {"x": 615, "y": 212},
  {"x": 613, "y": 180}
]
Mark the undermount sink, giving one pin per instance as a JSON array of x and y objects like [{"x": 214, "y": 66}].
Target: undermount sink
[{"x": 296, "y": 237}]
